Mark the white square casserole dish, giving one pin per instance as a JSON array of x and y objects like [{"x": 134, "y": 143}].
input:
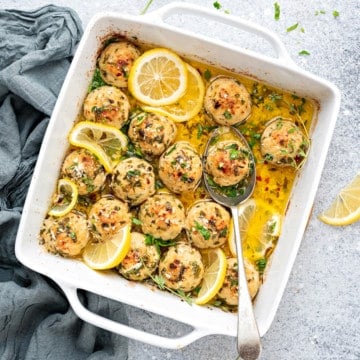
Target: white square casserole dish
[{"x": 280, "y": 73}]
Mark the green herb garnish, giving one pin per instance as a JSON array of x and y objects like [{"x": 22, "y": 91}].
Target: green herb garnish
[
  {"x": 217, "y": 5},
  {"x": 146, "y": 8},
  {"x": 335, "y": 14},
  {"x": 304, "y": 52},
  {"x": 292, "y": 28},
  {"x": 277, "y": 11},
  {"x": 96, "y": 81},
  {"x": 206, "y": 234},
  {"x": 207, "y": 74}
]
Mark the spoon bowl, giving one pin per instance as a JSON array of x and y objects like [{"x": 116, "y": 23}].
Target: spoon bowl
[{"x": 248, "y": 338}]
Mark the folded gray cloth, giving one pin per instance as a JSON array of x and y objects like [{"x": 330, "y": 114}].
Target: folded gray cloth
[{"x": 36, "y": 321}]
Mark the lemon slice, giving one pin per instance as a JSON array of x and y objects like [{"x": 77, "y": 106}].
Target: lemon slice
[
  {"x": 105, "y": 142},
  {"x": 215, "y": 270},
  {"x": 65, "y": 198},
  {"x": 246, "y": 212},
  {"x": 158, "y": 77},
  {"x": 345, "y": 209},
  {"x": 110, "y": 252},
  {"x": 188, "y": 105}
]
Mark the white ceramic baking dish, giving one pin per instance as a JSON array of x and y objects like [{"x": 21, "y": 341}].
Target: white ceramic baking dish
[{"x": 154, "y": 28}]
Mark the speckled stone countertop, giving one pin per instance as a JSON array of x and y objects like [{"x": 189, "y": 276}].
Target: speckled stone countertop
[{"x": 318, "y": 317}]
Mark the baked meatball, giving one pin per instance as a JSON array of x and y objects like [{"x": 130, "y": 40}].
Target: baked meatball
[
  {"x": 283, "y": 143},
  {"x": 108, "y": 105},
  {"x": 107, "y": 216},
  {"x": 227, "y": 101},
  {"x": 133, "y": 180},
  {"x": 207, "y": 224},
  {"x": 162, "y": 216},
  {"x": 141, "y": 261},
  {"x": 181, "y": 267},
  {"x": 152, "y": 133},
  {"x": 66, "y": 235},
  {"x": 228, "y": 162},
  {"x": 180, "y": 167},
  {"x": 229, "y": 289},
  {"x": 85, "y": 170},
  {"x": 116, "y": 61}
]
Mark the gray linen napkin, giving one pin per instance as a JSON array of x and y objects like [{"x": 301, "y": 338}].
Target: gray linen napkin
[{"x": 36, "y": 321}]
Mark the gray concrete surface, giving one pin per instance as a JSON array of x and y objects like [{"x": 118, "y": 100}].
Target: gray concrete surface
[{"x": 318, "y": 317}]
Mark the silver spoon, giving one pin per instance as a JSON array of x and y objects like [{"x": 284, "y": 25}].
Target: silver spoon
[{"x": 248, "y": 338}]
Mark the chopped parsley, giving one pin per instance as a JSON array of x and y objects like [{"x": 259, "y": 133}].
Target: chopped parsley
[
  {"x": 217, "y": 5},
  {"x": 292, "y": 27},
  {"x": 206, "y": 234},
  {"x": 276, "y": 11},
  {"x": 207, "y": 74},
  {"x": 227, "y": 114},
  {"x": 96, "y": 81},
  {"x": 335, "y": 14},
  {"x": 304, "y": 52}
]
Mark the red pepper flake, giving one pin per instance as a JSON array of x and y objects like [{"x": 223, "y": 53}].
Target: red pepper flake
[{"x": 258, "y": 178}]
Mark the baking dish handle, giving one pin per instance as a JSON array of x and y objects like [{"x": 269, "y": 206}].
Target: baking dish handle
[
  {"x": 177, "y": 7},
  {"x": 170, "y": 343}
]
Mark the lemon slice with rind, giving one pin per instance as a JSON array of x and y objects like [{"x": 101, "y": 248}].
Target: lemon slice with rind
[
  {"x": 246, "y": 212},
  {"x": 345, "y": 209},
  {"x": 188, "y": 105},
  {"x": 64, "y": 199},
  {"x": 106, "y": 142},
  {"x": 215, "y": 270},
  {"x": 158, "y": 77},
  {"x": 108, "y": 253}
]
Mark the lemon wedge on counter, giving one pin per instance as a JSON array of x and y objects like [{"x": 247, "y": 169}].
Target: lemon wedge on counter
[
  {"x": 345, "y": 209},
  {"x": 105, "y": 142},
  {"x": 215, "y": 270},
  {"x": 158, "y": 77},
  {"x": 64, "y": 199},
  {"x": 107, "y": 254},
  {"x": 188, "y": 105}
]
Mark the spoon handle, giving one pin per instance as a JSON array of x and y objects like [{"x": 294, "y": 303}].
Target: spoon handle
[{"x": 248, "y": 338}]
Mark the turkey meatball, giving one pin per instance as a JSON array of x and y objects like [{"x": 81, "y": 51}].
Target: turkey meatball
[
  {"x": 180, "y": 167},
  {"x": 228, "y": 162},
  {"x": 107, "y": 105},
  {"x": 152, "y": 133},
  {"x": 229, "y": 289},
  {"x": 133, "y": 180},
  {"x": 283, "y": 143},
  {"x": 66, "y": 235},
  {"x": 84, "y": 170},
  {"x": 227, "y": 101},
  {"x": 116, "y": 61},
  {"x": 182, "y": 267},
  {"x": 162, "y": 216},
  {"x": 207, "y": 224},
  {"x": 141, "y": 261},
  {"x": 107, "y": 216}
]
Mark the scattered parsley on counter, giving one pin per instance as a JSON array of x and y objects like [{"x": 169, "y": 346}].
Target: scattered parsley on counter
[
  {"x": 146, "y": 8},
  {"x": 217, "y": 5},
  {"x": 335, "y": 14},
  {"x": 304, "y": 52},
  {"x": 277, "y": 11},
  {"x": 322, "y": 12},
  {"x": 292, "y": 27}
]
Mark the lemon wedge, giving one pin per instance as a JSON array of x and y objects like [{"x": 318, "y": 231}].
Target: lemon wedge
[
  {"x": 105, "y": 142},
  {"x": 188, "y": 105},
  {"x": 345, "y": 209},
  {"x": 158, "y": 77},
  {"x": 64, "y": 199},
  {"x": 246, "y": 212},
  {"x": 215, "y": 270},
  {"x": 110, "y": 252}
]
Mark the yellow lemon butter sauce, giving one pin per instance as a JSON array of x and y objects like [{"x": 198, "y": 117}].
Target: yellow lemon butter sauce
[{"x": 273, "y": 183}]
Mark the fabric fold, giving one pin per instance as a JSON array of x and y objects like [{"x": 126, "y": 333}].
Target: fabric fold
[{"x": 36, "y": 321}]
